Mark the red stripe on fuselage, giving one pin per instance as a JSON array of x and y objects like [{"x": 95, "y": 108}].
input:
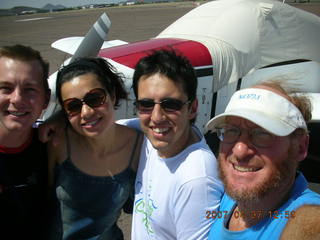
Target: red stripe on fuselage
[{"x": 131, "y": 53}]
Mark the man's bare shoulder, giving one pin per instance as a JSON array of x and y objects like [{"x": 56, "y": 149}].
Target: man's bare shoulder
[{"x": 305, "y": 225}]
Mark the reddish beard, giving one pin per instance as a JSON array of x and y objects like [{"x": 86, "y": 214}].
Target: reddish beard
[{"x": 280, "y": 178}]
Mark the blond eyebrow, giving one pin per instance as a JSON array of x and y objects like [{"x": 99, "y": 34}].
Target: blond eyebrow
[
  {"x": 6, "y": 83},
  {"x": 28, "y": 84}
]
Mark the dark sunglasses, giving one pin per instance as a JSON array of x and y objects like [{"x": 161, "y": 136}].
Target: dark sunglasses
[
  {"x": 94, "y": 98},
  {"x": 168, "y": 104}
]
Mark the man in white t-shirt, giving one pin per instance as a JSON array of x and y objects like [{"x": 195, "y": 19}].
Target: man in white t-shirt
[{"x": 177, "y": 185}]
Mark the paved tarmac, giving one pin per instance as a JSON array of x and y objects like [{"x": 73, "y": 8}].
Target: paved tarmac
[{"x": 130, "y": 23}]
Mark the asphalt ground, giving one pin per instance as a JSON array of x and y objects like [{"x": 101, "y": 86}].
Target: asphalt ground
[{"x": 129, "y": 23}]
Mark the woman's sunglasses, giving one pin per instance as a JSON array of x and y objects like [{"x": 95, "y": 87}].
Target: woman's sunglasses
[
  {"x": 146, "y": 106},
  {"x": 94, "y": 98}
]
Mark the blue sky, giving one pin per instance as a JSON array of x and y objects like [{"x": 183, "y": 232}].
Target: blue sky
[{"x": 41, "y": 3}]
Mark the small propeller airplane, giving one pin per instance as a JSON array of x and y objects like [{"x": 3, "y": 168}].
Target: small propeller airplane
[{"x": 231, "y": 44}]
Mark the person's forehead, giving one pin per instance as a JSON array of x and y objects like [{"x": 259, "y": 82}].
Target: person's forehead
[
  {"x": 80, "y": 85},
  {"x": 15, "y": 63},
  {"x": 149, "y": 79},
  {"x": 28, "y": 72},
  {"x": 159, "y": 87},
  {"x": 239, "y": 121},
  {"x": 85, "y": 78},
  {"x": 6, "y": 63}
]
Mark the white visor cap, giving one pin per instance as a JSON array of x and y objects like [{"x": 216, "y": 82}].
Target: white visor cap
[{"x": 265, "y": 108}]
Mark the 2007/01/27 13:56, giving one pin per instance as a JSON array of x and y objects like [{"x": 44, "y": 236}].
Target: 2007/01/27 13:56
[{"x": 257, "y": 214}]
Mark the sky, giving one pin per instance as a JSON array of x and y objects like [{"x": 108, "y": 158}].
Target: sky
[{"x": 41, "y": 3}]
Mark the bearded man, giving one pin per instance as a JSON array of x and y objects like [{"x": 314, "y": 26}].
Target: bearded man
[{"x": 264, "y": 136}]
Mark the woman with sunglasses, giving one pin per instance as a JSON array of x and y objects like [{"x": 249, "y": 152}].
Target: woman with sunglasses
[{"x": 96, "y": 161}]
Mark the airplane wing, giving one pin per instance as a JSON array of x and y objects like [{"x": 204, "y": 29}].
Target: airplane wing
[{"x": 71, "y": 44}]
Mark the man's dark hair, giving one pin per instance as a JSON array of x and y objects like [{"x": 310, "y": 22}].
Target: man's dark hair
[{"x": 168, "y": 63}]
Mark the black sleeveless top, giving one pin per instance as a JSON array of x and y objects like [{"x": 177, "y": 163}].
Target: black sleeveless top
[{"x": 91, "y": 205}]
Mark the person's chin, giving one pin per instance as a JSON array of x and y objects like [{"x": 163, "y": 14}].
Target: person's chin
[
  {"x": 18, "y": 126},
  {"x": 158, "y": 145}
]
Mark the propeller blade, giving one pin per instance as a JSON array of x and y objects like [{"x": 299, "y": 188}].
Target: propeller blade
[{"x": 94, "y": 39}]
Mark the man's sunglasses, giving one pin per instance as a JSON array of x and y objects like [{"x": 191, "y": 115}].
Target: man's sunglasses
[
  {"x": 169, "y": 105},
  {"x": 94, "y": 98}
]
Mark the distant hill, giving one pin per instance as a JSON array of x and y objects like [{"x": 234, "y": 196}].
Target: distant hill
[
  {"x": 53, "y": 7},
  {"x": 151, "y": 1},
  {"x": 19, "y": 10},
  {"x": 6, "y": 12},
  {"x": 29, "y": 10}
]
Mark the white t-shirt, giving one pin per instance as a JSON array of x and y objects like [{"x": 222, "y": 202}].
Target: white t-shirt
[{"x": 173, "y": 195}]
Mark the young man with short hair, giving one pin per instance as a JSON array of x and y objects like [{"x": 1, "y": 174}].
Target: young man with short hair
[
  {"x": 24, "y": 94},
  {"x": 177, "y": 181}
]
